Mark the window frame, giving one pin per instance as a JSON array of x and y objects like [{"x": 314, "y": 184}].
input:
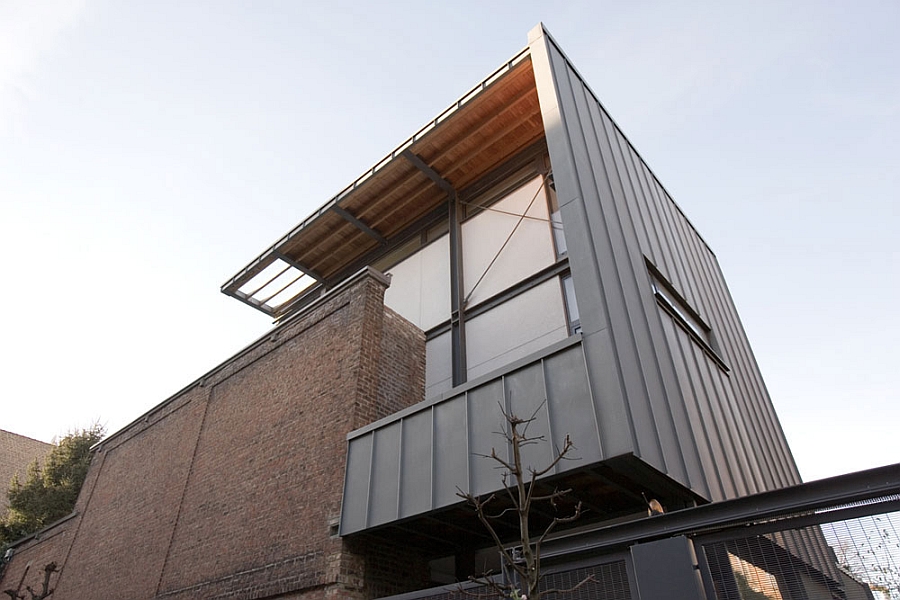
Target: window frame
[{"x": 684, "y": 315}]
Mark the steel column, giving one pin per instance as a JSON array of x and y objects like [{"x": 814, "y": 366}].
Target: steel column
[{"x": 457, "y": 294}]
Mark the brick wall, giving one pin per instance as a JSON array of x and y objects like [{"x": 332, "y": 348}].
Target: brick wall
[
  {"x": 230, "y": 488},
  {"x": 17, "y": 452},
  {"x": 27, "y": 567},
  {"x": 402, "y": 380}
]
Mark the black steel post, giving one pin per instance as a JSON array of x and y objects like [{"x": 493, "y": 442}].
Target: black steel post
[{"x": 457, "y": 294}]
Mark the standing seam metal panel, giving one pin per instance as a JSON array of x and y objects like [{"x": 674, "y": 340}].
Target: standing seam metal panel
[
  {"x": 623, "y": 294},
  {"x": 617, "y": 434},
  {"x": 788, "y": 472},
  {"x": 763, "y": 476},
  {"x": 623, "y": 353},
  {"x": 441, "y": 447},
  {"x": 636, "y": 218},
  {"x": 617, "y": 259},
  {"x": 679, "y": 440},
  {"x": 678, "y": 410}
]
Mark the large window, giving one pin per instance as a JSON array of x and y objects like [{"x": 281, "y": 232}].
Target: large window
[
  {"x": 522, "y": 325},
  {"x": 517, "y": 296},
  {"x": 506, "y": 242},
  {"x": 420, "y": 285}
]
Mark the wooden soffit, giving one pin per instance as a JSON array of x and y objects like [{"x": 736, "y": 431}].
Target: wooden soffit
[{"x": 494, "y": 121}]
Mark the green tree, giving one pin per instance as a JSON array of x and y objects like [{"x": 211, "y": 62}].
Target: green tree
[{"x": 50, "y": 490}]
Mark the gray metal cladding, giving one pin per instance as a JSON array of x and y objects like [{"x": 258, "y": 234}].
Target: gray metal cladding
[
  {"x": 697, "y": 412},
  {"x": 417, "y": 460},
  {"x": 700, "y": 413}
]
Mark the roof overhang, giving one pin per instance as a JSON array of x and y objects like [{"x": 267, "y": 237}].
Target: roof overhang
[{"x": 491, "y": 123}]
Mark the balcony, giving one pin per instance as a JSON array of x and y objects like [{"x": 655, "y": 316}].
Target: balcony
[{"x": 404, "y": 471}]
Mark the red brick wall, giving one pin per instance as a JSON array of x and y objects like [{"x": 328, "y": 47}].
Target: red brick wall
[
  {"x": 133, "y": 504},
  {"x": 402, "y": 380},
  {"x": 27, "y": 567},
  {"x": 229, "y": 489},
  {"x": 17, "y": 452}
]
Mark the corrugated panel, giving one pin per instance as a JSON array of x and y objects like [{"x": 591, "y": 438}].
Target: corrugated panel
[{"x": 417, "y": 460}]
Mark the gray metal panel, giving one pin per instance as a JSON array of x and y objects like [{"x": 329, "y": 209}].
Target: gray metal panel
[
  {"x": 751, "y": 440},
  {"x": 616, "y": 251},
  {"x": 416, "y": 460},
  {"x": 722, "y": 447},
  {"x": 355, "y": 506},
  {"x": 416, "y": 464},
  {"x": 566, "y": 154},
  {"x": 666, "y": 569},
  {"x": 451, "y": 451},
  {"x": 485, "y": 425},
  {"x": 747, "y": 471},
  {"x": 660, "y": 384},
  {"x": 784, "y": 468},
  {"x": 628, "y": 164},
  {"x": 383, "y": 490},
  {"x": 700, "y": 426},
  {"x": 526, "y": 395},
  {"x": 572, "y": 408},
  {"x": 713, "y": 430}
]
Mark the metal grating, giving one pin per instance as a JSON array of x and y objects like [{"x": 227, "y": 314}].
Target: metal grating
[
  {"x": 611, "y": 582},
  {"x": 868, "y": 549},
  {"x": 867, "y": 552}
]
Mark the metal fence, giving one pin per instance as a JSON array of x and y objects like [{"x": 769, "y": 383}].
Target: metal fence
[
  {"x": 868, "y": 549},
  {"x": 836, "y": 539}
]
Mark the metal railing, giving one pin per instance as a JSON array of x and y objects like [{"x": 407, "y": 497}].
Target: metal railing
[{"x": 832, "y": 539}]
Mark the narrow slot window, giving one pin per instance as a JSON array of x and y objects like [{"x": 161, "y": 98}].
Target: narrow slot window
[
  {"x": 571, "y": 305},
  {"x": 680, "y": 310},
  {"x": 559, "y": 236},
  {"x": 684, "y": 315}
]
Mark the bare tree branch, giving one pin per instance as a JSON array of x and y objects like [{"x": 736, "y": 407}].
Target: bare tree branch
[
  {"x": 588, "y": 579},
  {"x": 46, "y": 590},
  {"x": 520, "y": 485}
]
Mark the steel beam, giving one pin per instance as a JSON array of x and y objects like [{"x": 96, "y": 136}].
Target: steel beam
[
  {"x": 298, "y": 266},
  {"x": 433, "y": 175},
  {"x": 350, "y": 218},
  {"x": 805, "y": 498},
  {"x": 457, "y": 287}
]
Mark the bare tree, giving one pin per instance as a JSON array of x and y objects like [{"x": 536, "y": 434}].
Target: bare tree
[
  {"x": 46, "y": 590},
  {"x": 520, "y": 489}
]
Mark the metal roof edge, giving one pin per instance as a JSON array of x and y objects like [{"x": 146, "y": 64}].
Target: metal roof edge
[{"x": 634, "y": 149}]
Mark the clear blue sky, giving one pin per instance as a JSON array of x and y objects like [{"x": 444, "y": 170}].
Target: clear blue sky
[{"x": 149, "y": 150}]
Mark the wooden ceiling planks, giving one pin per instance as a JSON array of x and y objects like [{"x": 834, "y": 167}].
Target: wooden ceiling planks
[{"x": 463, "y": 146}]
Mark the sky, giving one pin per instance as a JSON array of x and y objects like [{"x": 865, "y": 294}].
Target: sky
[{"x": 150, "y": 150}]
